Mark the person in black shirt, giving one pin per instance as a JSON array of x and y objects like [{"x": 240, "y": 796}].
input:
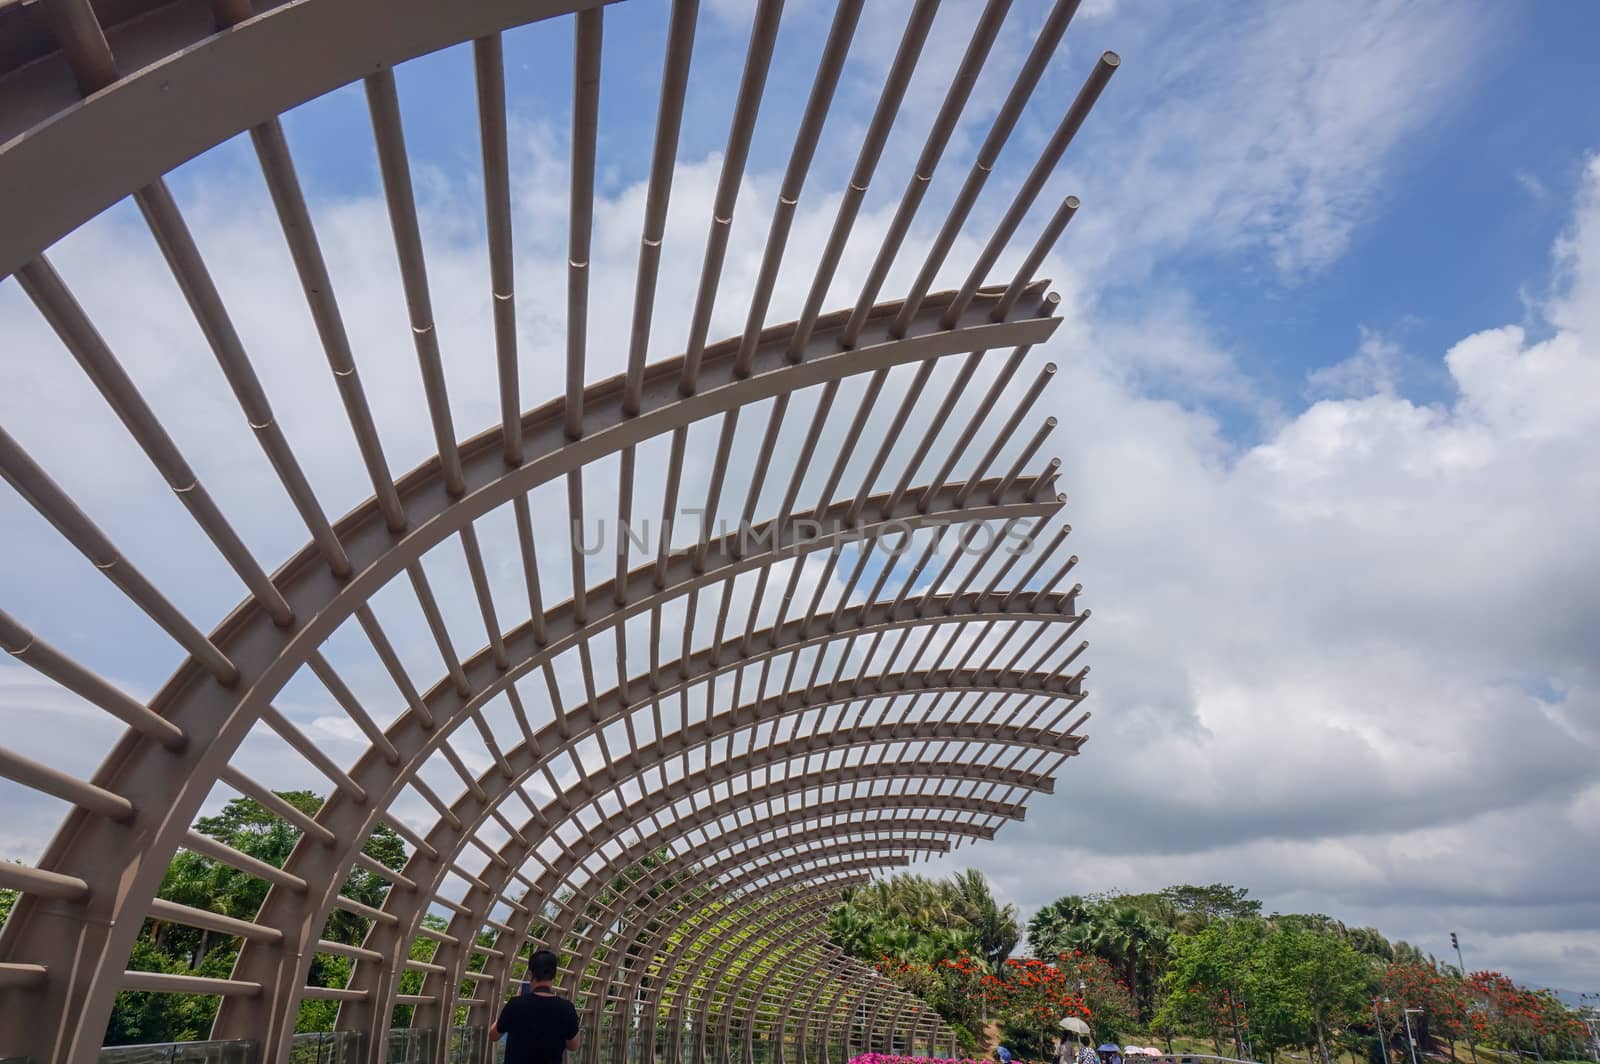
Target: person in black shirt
[{"x": 539, "y": 1026}]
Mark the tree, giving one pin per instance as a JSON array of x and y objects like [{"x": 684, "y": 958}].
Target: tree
[
  {"x": 1204, "y": 977},
  {"x": 1030, "y": 997},
  {"x": 1219, "y": 901},
  {"x": 1442, "y": 998},
  {"x": 198, "y": 881},
  {"x": 1117, "y": 927},
  {"x": 1136, "y": 942},
  {"x": 1107, "y": 1005},
  {"x": 975, "y": 908},
  {"x": 1061, "y": 926},
  {"x": 914, "y": 918},
  {"x": 1318, "y": 979}
]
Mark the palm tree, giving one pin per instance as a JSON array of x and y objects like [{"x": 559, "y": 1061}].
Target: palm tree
[
  {"x": 1135, "y": 940},
  {"x": 1062, "y": 926},
  {"x": 994, "y": 925}
]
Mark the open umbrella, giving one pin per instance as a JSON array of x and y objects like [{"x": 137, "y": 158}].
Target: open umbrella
[
  {"x": 1109, "y": 1047},
  {"x": 1074, "y": 1024},
  {"x": 1131, "y": 1051}
]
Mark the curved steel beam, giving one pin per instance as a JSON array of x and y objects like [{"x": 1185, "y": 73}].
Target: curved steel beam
[
  {"x": 122, "y": 864},
  {"x": 777, "y": 753},
  {"x": 765, "y": 912},
  {"x": 521, "y": 924},
  {"x": 799, "y": 948},
  {"x": 197, "y": 87},
  {"x": 493, "y": 669},
  {"x": 465, "y": 927},
  {"x": 732, "y": 946},
  {"x": 470, "y": 811}
]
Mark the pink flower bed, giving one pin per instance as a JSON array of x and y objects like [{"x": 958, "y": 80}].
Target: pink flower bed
[{"x": 891, "y": 1058}]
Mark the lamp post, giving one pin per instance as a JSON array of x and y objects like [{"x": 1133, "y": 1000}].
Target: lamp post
[
  {"x": 1472, "y": 1043},
  {"x": 1411, "y": 1039}
]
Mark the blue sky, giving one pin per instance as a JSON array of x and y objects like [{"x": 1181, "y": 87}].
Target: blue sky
[
  {"x": 1469, "y": 204},
  {"x": 1330, "y": 348}
]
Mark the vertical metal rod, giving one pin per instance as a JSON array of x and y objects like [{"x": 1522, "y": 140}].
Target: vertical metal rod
[
  {"x": 480, "y": 586},
  {"x": 894, "y": 90},
  {"x": 488, "y": 54},
  {"x": 936, "y": 425},
  {"x": 352, "y": 706},
  {"x": 530, "y": 567},
  {"x": 1033, "y": 184},
  {"x": 985, "y": 405},
  {"x": 663, "y": 163},
  {"x": 719, "y": 472},
  {"x": 1005, "y": 120},
  {"x": 1022, "y": 460},
  {"x": 1030, "y": 265},
  {"x": 1003, "y": 437},
  {"x": 288, "y": 201},
  {"x": 891, "y": 436},
  {"x": 944, "y": 126},
  {"x": 752, "y": 84},
  {"x": 55, "y": 506},
  {"x": 383, "y": 101},
  {"x": 189, "y": 270},
  {"x": 441, "y": 634},
  {"x": 845, "y": 18},
  {"x": 58, "y": 307},
  {"x": 589, "y": 27},
  {"x": 391, "y": 662}
]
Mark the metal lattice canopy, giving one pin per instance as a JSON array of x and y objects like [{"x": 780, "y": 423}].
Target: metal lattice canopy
[{"x": 672, "y": 768}]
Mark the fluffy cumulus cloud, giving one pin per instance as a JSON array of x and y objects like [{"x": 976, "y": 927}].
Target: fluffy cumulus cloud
[
  {"x": 1347, "y": 661},
  {"x": 1352, "y": 665}
]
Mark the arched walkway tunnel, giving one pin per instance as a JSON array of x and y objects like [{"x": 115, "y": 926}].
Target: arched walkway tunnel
[{"x": 797, "y": 605}]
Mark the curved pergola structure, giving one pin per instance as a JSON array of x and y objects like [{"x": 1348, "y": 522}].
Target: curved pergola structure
[{"x": 669, "y": 770}]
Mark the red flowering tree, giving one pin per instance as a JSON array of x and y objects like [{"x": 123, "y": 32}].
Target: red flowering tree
[
  {"x": 1030, "y": 997},
  {"x": 953, "y": 986},
  {"x": 1107, "y": 1001},
  {"x": 1443, "y": 999},
  {"x": 1514, "y": 1017}
]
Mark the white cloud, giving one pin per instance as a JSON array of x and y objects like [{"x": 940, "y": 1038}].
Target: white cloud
[
  {"x": 1351, "y": 666},
  {"x": 1321, "y": 663}
]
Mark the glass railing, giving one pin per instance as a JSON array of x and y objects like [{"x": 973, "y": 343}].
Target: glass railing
[
  {"x": 467, "y": 1045},
  {"x": 329, "y": 1047},
  {"x": 410, "y": 1045},
  {"x": 236, "y": 1051},
  {"x": 406, "y": 1045}
]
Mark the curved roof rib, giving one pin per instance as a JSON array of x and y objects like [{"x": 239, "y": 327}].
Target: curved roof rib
[{"x": 860, "y": 650}]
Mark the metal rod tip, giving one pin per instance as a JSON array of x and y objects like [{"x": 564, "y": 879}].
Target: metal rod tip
[
  {"x": 1073, "y": 202},
  {"x": 1111, "y": 59}
]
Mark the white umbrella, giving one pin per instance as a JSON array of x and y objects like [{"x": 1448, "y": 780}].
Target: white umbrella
[{"x": 1073, "y": 1023}]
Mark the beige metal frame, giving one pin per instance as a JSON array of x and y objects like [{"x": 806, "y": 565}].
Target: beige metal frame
[{"x": 685, "y": 874}]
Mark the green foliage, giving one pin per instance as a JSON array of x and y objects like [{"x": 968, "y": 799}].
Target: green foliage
[
  {"x": 1030, "y": 997},
  {"x": 1107, "y": 1005},
  {"x": 913, "y": 918},
  {"x": 198, "y": 881},
  {"x": 935, "y": 938},
  {"x": 1131, "y": 932},
  {"x": 1219, "y": 901}
]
